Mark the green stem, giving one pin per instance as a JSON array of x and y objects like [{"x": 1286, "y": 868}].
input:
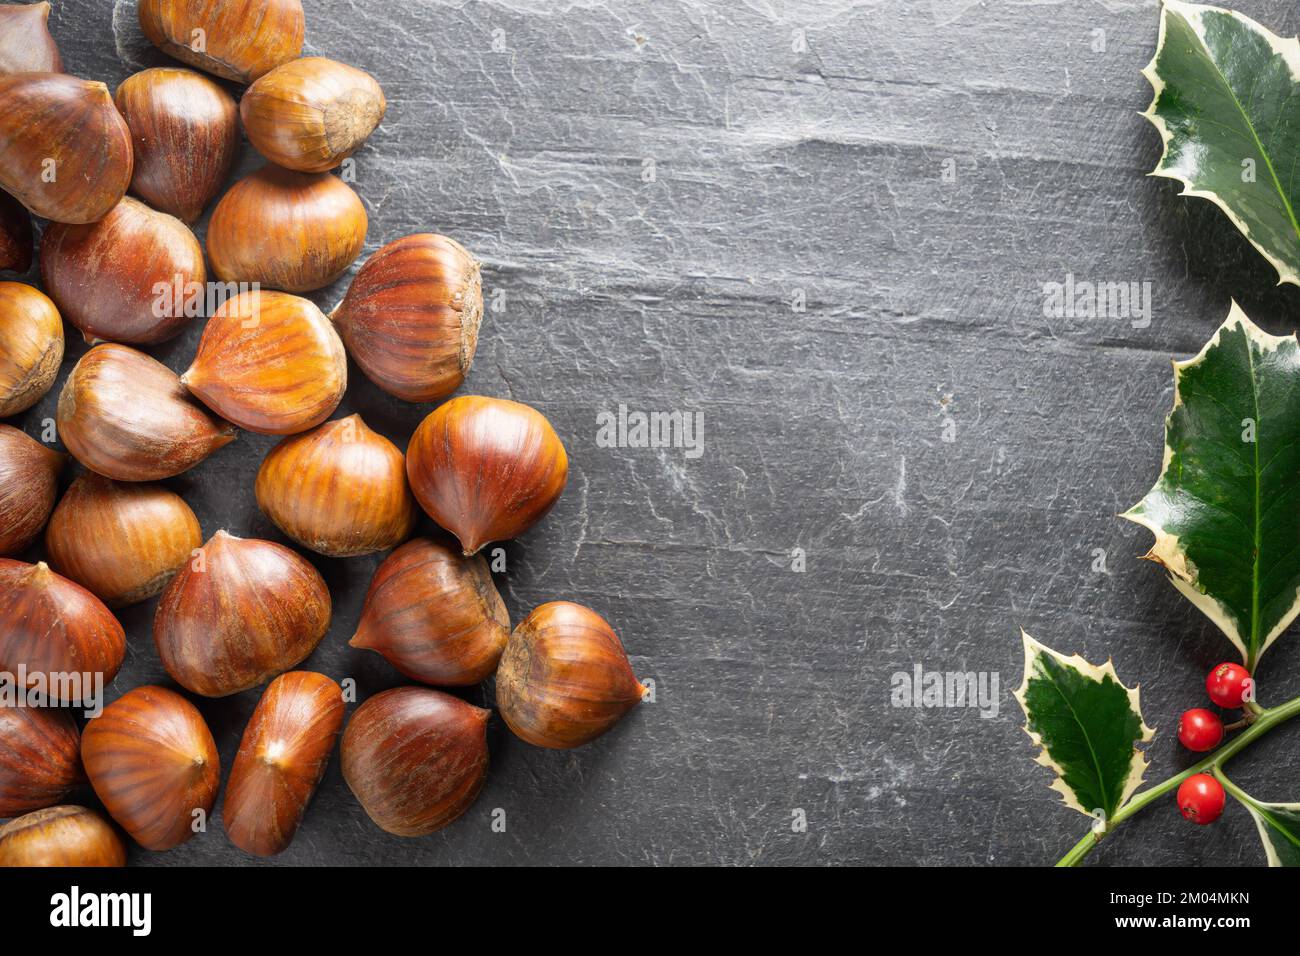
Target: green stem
[{"x": 1266, "y": 721}]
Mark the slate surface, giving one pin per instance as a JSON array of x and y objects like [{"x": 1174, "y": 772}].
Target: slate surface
[{"x": 799, "y": 149}]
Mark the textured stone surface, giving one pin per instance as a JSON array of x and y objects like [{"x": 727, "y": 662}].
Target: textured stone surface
[{"x": 783, "y": 171}]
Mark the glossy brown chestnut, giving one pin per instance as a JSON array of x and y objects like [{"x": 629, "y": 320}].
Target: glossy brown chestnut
[
  {"x": 31, "y": 347},
  {"x": 126, "y": 416},
  {"x": 411, "y": 317},
  {"x": 54, "y": 628},
  {"x": 40, "y": 758},
  {"x": 185, "y": 133},
  {"x": 25, "y": 42},
  {"x": 105, "y": 276},
  {"x": 29, "y": 485},
  {"x": 564, "y": 679},
  {"x": 154, "y": 764},
  {"x": 339, "y": 489},
  {"x": 234, "y": 39},
  {"x": 286, "y": 230},
  {"x": 435, "y": 615},
  {"x": 486, "y": 469},
  {"x": 311, "y": 114},
  {"x": 281, "y": 759},
  {"x": 61, "y": 836},
  {"x": 239, "y": 613},
  {"x": 415, "y": 758},
  {"x": 121, "y": 540},
  {"x": 269, "y": 362},
  {"x": 15, "y": 235},
  {"x": 65, "y": 151}
]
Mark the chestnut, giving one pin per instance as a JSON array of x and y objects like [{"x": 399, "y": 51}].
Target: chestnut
[
  {"x": 53, "y": 627},
  {"x": 126, "y": 416},
  {"x": 234, "y": 39},
  {"x": 415, "y": 758},
  {"x": 185, "y": 133},
  {"x": 105, "y": 276},
  {"x": 281, "y": 759},
  {"x": 25, "y": 42},
  {"x": 31, "y": 346},
  {"x": 411, "y": 317},
  {"x": 239, "y": 613},
  {"x": 269, "y": 362},
  {"x": 311, "y": 114},
  {"x": 15, "y": 235},
  {"x": 61, "y": 836},
  {"x": 56, "y": 122},
  {"x": 339, "y": 489},
  {"x": 153, "y": 764},
  {"x": 435, "y": 615},
  {"x": 29, "y": 476},
  {"x": 564, "y": 679},
  {"x": 40, "y": 758},
  {"x": 486, "y": 469},
  {"x": 287, "y": 230},
  {"x": 121, "y": 540}
]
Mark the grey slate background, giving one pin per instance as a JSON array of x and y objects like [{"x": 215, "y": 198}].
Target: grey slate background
[{"x": 779, "y": 170}]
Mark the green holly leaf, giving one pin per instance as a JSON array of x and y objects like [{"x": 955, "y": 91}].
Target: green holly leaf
[
  {"x": 1226, "y": 106},
  {"x": 1278, "y": 825},
  {"x": 1088, "y": 725},
  {"x": 1226, "y": 508}
]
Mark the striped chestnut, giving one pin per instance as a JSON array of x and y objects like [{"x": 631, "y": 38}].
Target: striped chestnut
[
  {"x": 61, "y": 836},
  {"x": 40, "y": 758},
  {"x": 154, "y": 765}
]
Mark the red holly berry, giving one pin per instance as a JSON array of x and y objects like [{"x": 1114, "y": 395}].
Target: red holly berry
[
  {"x": 1227, "y": 684},
  {"x": 1200, "y": 799},
  {"x": 1200, "y": 729}
]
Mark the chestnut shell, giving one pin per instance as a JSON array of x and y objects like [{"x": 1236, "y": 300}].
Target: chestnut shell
[
  {"x": 61, "y": 836},
  {"x": 40, "y": 758},
  {"x": 415, "y": 758}
]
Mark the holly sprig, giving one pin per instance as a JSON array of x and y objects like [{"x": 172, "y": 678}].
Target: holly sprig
[{"x": 1225, "y": 513}]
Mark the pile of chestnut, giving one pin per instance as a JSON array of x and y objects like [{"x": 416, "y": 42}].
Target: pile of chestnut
[{"x": 237, "y": 613}]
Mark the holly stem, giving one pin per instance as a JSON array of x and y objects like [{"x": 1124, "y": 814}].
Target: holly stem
[{"x": 1266, "y": 720}]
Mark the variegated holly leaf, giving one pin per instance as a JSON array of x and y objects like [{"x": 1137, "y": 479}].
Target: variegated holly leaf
[
  {"x": 1226, "y": 508},
  {"x": 1226, "y": 106},
  {"x": 1278, "y": 824},
  {"x": 1088, "y": 725}
]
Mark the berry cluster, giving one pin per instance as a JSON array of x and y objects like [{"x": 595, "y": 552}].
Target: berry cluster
[{"x": 1201, "y": 797}]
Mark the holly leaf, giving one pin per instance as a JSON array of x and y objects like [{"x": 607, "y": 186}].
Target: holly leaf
[
  {"x": 1278, "y": 825},
  {"x": 1088, "y": 725},
  {"x": 1226, "y": 508},
  {"x": 1226, "y": 107}
]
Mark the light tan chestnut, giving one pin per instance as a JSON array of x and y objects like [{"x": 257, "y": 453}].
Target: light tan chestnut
[
  {"x": 269, "y": 362},
  {"x": 121, "y": 540},
  {"x": 40, "y": 758},
  {"x": 185, "y": 132},
  {"x": 126, "y": 416},
  {"x": 29, "y": 485},
  {"x": 415, "y": 758},
  {"x": 15, "y": 235},
  {"x": 486, "y": 469},
  {"x": 105, "y": 277},
  {"x": 411, "y": 317},
  {"x": 153, "y": 763},
  {"x": 311, "y": 114},
  {"x": 339, "y": 489},
  {"x": 287, "y": 230},
  {"x": 564, "y": 679},
  {"x": 435, "y": 615},
  {"x": 25, "y": 42},
  {"x": 61, "y": 836},
  {"x": 234, "y": 39},
  {"x": 54, "y": 627},
  {"x": 53, "y": 121},
  {"x": 240, "y": 612},
  {"x": 281, "y": 759},
  {"x": 31, "y": 346}
]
